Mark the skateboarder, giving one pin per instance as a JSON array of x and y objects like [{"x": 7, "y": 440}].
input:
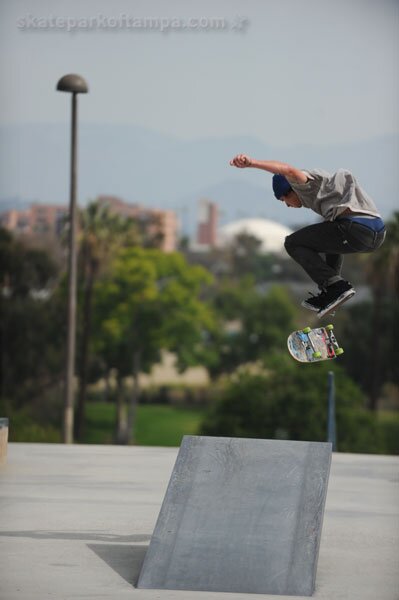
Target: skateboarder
[{"x": 351, "y": 224}]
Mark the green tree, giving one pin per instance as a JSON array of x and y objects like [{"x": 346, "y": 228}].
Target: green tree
[
  {"x": 250, "y": 325},
  {"x": 150, "y": 302},
  {"x": 360, "y": 341},
  {"x": 245, "y": 250},
  {"x": 31, "y": 326}
]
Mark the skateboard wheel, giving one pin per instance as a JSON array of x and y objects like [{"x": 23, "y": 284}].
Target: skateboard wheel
[
  {"x": 339, "y": 351},
  {"x": 316, "y": 354},
  {"x": 306, "y": 330},
  {"x": 329, "y": 327}
]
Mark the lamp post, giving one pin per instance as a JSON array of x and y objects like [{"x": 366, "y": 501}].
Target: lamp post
[{"x": 74, "y": 84}]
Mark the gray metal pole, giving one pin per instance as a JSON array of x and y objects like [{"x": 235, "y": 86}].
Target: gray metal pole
[
  {"x": 331, "y": 423},
  {"x": 71, "y": 315}
]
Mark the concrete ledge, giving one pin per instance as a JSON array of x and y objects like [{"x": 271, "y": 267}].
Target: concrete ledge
[{"x": 3, "y": 440}]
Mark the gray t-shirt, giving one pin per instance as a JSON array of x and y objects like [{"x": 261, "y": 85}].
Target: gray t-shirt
[{"x": 330, "y": 195}]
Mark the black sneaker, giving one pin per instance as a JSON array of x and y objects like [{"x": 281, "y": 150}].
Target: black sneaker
[
  {"x": 314, "y": 302},
  {"x": 335, "y": 294}
]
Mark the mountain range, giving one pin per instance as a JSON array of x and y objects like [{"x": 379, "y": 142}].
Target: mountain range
[{"x": 162, "y": 171}]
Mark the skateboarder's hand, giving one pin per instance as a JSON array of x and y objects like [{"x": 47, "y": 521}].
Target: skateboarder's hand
[{"x": 241, "y": 161}]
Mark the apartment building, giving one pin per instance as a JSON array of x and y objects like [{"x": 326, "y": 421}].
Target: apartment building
[{"x": 38, "y": 218}]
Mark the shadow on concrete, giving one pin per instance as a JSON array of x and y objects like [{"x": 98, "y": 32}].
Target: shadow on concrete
[
  {"x": 78, "y": 535},
  {"x": 125, "y": 560}
]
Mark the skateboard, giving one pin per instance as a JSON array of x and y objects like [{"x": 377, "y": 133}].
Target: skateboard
[{"x": 313, "y": 345}]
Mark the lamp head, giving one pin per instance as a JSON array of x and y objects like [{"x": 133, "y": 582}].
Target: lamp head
[{"x": 72, "y": 83}]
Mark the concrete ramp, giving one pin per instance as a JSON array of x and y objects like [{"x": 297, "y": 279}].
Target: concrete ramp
[{"x": 240, "y": 515}]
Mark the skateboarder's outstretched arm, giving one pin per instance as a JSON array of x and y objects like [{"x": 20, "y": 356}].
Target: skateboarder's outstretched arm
[{"x": 272, "y": 166}]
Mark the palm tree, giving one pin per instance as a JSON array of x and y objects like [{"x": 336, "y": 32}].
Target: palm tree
[
  {"x": 383, "y": 275},
  {"x": 101, "y": 234}
]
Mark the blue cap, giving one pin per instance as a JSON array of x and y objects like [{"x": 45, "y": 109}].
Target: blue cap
[{"x": 281, "y": 186}]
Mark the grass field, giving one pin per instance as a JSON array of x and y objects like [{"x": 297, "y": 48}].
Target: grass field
[{"x": 156, "y": 425}]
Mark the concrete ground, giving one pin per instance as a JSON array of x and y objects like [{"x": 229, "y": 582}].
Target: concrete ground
[{"x": 75, "y": 522}]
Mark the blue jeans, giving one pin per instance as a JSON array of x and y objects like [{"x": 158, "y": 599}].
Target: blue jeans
[{"x": 332, "y": 239}]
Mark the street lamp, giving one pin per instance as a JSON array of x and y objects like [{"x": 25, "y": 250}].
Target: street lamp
[{"x": 74, "y": 84}]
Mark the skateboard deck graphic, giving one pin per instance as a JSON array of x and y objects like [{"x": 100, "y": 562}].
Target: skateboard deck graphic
[{"x": 313, "y": 345}]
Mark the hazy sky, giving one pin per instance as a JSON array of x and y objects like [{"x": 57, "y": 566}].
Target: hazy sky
[{"x": 313, "y": 71}]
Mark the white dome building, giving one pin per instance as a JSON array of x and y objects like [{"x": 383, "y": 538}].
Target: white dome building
[{"x": 271, "y": 234}]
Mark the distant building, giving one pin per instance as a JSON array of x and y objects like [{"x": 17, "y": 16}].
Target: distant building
[
  {"x": 207, "y": 224},
  {"x": 271, "y": 235},
  {"x": 158, "y": 223},
  {"x": 48, "y": 219},
  {"x": 39, "y": 218}
]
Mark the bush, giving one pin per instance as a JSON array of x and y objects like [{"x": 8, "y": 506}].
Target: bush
[
  {"x": 23, "y": 429},
  {"x": 358, "y": 430},
  {"x": 389, "y": 425},
  {"x": 291, "y": 402}
]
